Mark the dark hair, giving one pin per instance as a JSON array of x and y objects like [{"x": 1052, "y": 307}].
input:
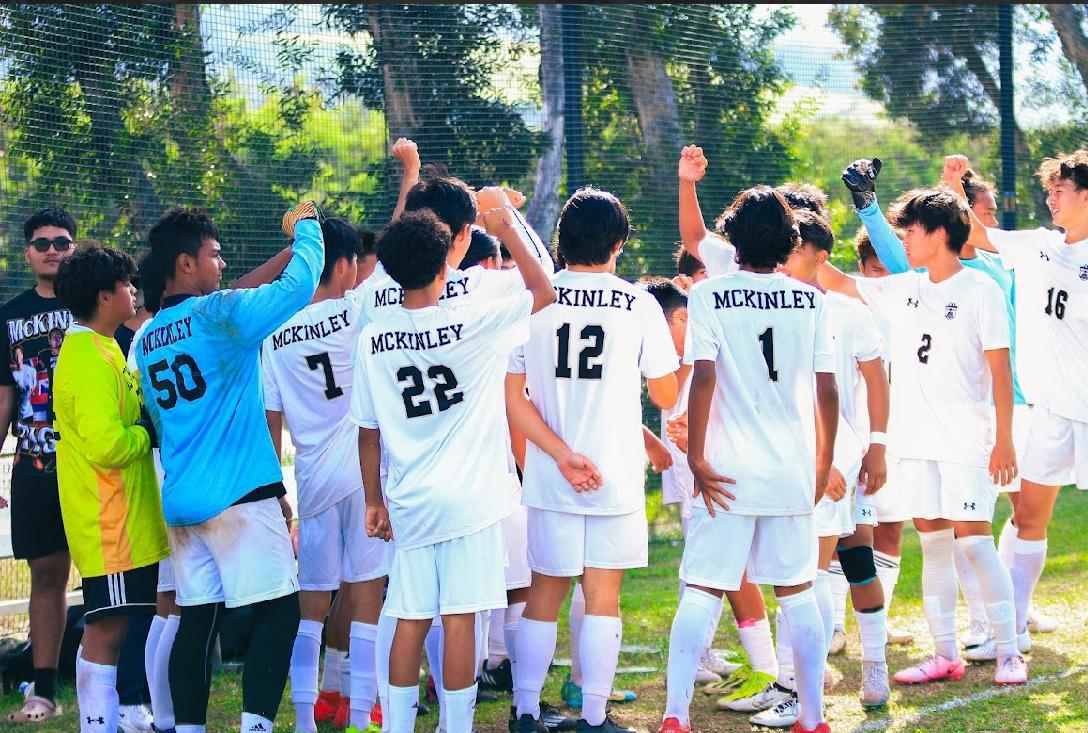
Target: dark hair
[
  {"x": 451, "y": 200},
  {"x": 590, "y": 225},
  {"x": 759, "y": 223},
  {"x": 814, "y": 230},
  {"x": 504, "y": 253},
  {"x": 974, "y": 185},
  {"x": 1072, "y": 167},
  {"x": 341, "y": 243},
  {"x": 933, "y": 209},
  {"x": 805, "y": 196},
  {"x": 864, "y": 246},
  {"x": 668, "y": 295},
  {"x": 86, "y": 273},
  {"x": 413, "y": 248},
  {"x": 181, "y": 230},
  {"x": 50, "y": 217},
  {"x": 686, "y": 264},
  {"x": 151, "y": 283},
  {"x": 368, "y": 243},
  {"x": 481, "y": 247}
]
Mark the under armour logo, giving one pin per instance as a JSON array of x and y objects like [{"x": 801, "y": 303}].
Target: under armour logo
[
  {"x": 950, "y": 311},
  {"x": 866, "y": 512},
  {"x": 100, "y": 721},
  {"x": 969, "y": 505},
  {"x": 912, "y": 303},
  {"x": 1044, "y": 256}
]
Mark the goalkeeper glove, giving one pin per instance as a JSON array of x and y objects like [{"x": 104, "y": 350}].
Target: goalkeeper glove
[
  {"x": 298, "y": 212},
  {"x": 860, "y": 179}
]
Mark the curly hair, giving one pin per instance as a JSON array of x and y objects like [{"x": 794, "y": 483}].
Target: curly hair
[
  {"x": 413, "y": 248},
  {"x": 805, "y": 196},
  {"x": 89, "y": 271},
  {"x": 760, "y": 224},
  {"x": 1072, "y": 167}
]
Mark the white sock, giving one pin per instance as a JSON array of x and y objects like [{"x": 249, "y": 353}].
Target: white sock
[
  {"x": 96, "y": 693},
  {"x": 712, "y": 627},
  {"x": 939, "y": 592},
  {"x": 693, "y": 615},
  {"x": 304, "y": 659},
  {"x": 496, "y": 641},
  {"x": 600, "y": 649},
  {"x": 535, "y": 649},
  {"x": 461, "y": 704},
  {"x": 364, "y": 680},
  {"x": 887, "y": 569},
  {"x": 840, "y": 588},
  {"x": 253, "y": 722},
  {"x": 433, "y": 645},
  {"x": 874, "y": 634},
  {"x": 387, "y": 628},
  {"x": 969, "y": 586},
  {"x": 1027, "y": 566},
  {"x": 401, "y": 709},
  {"x": 151, "y": 645},
  {"x": 1006, "y": 543},
  {"x": 481, "y": 622},
  {"x": 825, "y": 602},
  {"x": 330, "y": 673},
  {"x": 755, "y": 637},
  {"x": 510, "y": 633},
  {"x": 574, "y": 620},
  {"x": 809, "y": 653},
  {"x": 162, "y": 704},
  {"x": 995, "y": 585},
  {"x": 784, "y": 651},
  {"x": 187, "y": 728}
]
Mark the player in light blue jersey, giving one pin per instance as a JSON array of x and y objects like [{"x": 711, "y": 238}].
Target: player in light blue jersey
[{"x": 199, "y": 364}]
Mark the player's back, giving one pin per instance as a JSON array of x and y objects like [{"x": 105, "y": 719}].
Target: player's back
[
  {"x": 767, "y": 334},
  {"x": 584, "y": 364}
]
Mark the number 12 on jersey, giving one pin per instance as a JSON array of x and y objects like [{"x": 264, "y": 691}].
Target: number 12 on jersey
[{"x": 592, "y": 350}]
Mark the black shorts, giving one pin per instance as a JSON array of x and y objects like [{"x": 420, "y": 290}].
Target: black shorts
[
  {"x": 37, "y": 529},
  {"x": 131, "y": 593}
]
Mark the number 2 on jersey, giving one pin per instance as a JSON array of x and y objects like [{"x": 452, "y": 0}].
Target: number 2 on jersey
[
  {"x": 322, "y": 360},
  {"x": 445, "y": 382},
  {"x": 923, "y": 350},
  {"x": 591, "y": 351},
  {"x": 766, "y": 341}
]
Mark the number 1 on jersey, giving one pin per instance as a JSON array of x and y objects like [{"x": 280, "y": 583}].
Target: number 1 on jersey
[{"x": 766, "y": 340}]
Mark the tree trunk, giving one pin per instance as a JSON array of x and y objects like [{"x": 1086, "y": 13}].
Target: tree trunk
[
  {"x": 1068, "y": 20},
  {"x": 399, "y": 68},
  {"x": 544, "y": 205}
]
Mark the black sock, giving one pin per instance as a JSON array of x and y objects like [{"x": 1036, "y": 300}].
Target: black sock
[
  {"x": 191, "y": 662},
  {"x": 269, "y": 657},
  {"x": 45, "y": 683}
]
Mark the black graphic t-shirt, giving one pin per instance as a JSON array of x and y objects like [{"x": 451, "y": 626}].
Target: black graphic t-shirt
[{"x": 33, "y": 332}]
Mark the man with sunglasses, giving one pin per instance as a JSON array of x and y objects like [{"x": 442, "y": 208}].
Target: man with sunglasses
[{"x": 32, "y": 322}]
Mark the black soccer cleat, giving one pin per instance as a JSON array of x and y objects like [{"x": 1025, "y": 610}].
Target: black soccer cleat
[
  {"x": 496, "y": 679},
  {"x": 555, "y": 720},
  {"x": 528, "y": 724},
  {"x": 608, "y": 726}
]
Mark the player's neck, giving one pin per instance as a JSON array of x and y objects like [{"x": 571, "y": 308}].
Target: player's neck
[
  {"x": 102, "y": 325},
  {"x": 757, "y": 270},
  {"x": 609, "y": 267},
  {"x": 178, "y": 287},
  {"x": 327, "y": 292},
  {"x": 1078, "y": 231},
  {"x": 943, "y": 266},
  {"x": 44, "y": 287},
  {"x": 424, "y": 297}
]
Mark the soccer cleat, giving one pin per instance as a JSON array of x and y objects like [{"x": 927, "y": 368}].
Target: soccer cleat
[
  {"x": 327, "y": 705},
  {"x": 372, "y": 728},
  {"x": 672, "y": 725},
  {"x": 608, "y": 726},
  {"x": 1040, "y": 623},
  {"x": 376, "y": 714},
  {"x": 755, "y": 684},
  {"x": 838, "y": 642},
  {"x": 829, "y": 677},
  {"x": 1011, "y": 670},
  {"x": 528, "y": 724},
  {"x": 717, "y": 664},
  {"x": 134, "y": 718},
  {"x": 977, "y": 633},
  {"x": 431, "y": 692},
  {"x": 155, "y": 729},
  {"x": 931, "y": 669},
  {"x": 875, "y": 690},
  {"x": 987, "y": 650},
  {"x": 899, "y": 637},
  {"x": 769, "y": 696},
  {"x": 821, "y": 728},
  {"x": 704, "y": 676},
  {"x": 622, "y": 696},
  {"x": 730, "y": 681},
  {"x": 496, "y": 679},
  {"x": 782, "y": 715},
  {"x": 572, "y": 694},
  {"x": 555, "y": 720}
]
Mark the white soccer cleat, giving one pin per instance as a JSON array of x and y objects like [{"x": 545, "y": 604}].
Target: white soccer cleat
[
  {"x": 987, "y": 650},
  {"x": 875, "y": 689},
  {"x": 781, "y": 715},
  {"x": 704, "y": 676},
  {"x": 134, "y": 718},
  {"x": 1011, "y": 670},
  {"x": 714, "y": 662},
  {"x": 769, "y": 696},
  {"x": 838, "y": 642},
  {"x": 977, "y": 634},
  {"x": 1040, "y": 623}
]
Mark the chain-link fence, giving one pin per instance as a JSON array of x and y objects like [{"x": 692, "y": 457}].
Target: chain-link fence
[{"x": 117, "y": 112}]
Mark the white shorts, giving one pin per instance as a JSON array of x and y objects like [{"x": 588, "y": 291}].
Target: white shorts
[
  {"x": 1057, "y": 450},
  {"x": 462, "y": 575},
  {"x": 892, "y": 502},
  {"x": 333, "y": 547},
  {"x": 515, "y": 532},
  {"x": 239, "y": 557},
  {"x": 779, "y": 551},
  {"x": 167, "y": 584},
  {"x": 563, "y": 545},
  {"x": 835, "y": 518},
  {"x": 1021, "y": 422},
  {"x": 865, "y": 512},
  {"x": 949, "y": 490}
]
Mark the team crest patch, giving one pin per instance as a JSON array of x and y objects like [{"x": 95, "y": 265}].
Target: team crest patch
[
  {"x": 1084, "y": 272},
  {"x": 950, "y": 311}
]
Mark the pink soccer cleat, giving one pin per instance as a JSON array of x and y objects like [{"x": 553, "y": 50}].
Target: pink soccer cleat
[
  {"x": 1011, "y": 670},
  {"x": 930, "y": 670}
]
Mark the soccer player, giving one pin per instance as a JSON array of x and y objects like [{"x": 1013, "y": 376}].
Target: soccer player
[
  {"x": 434, "y": 397},
  {"x": 950, "y": 345},
  {"x": 1051, "y": 269},
  {"x": 109, "y": 494},
  {"x": 759, "y": 433},
  {"x": 31, "y": 320},
  {"x": 689, "y": 270},
  {"x": 583, "y": 364},
  {"x": 307, "y": 374},
  {"x": 199, "y": 367}
]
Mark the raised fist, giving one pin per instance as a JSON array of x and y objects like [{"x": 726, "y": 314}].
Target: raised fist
[
  {"x": 491, "y": 197},
  {"x": 692, "y": 164},
  {"x": 407, "y": 153},
  {"x": 298, "y": 212},
  {"x": 955, "y": 167},
  {"x": 860, "y": 179},
  {"x": 517, "y": 198},
  {"x": 498, "y": 220}
]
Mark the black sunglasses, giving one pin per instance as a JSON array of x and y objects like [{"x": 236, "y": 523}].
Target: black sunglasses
[{"x": 60, "y": 244}]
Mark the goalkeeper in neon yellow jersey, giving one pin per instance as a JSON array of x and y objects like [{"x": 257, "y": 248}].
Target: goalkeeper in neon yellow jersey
[{"x": 109, "y": 496}]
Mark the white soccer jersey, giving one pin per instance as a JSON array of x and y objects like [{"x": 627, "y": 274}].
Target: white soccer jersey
[
  {"x": 718, "y": 256},
  {"x": 854, "y": 338},
  {"x": 584, "y": 364},
  {"x": 435, "y": 392},
  {"x": 677, "y": 483},
  {"x": 1051, "y": 317},
  {"x": 767, "y": 335},
  {"x": 941, "y": 407},
  {"x": 307, "y": 374}
]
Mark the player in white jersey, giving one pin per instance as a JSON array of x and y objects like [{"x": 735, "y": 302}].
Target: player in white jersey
[
  {"x": 950, "y": 347},
  {"x": 584, "y": 364},
  {"x": 760, "y": 454},
  {"x": 307, "y": 373},
  {"x": 434, "y": 403},
  {"x": 1051, "y": 269}
]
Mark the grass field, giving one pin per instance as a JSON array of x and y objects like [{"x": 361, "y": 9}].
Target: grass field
[{"x": 1054, "y": 700}]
